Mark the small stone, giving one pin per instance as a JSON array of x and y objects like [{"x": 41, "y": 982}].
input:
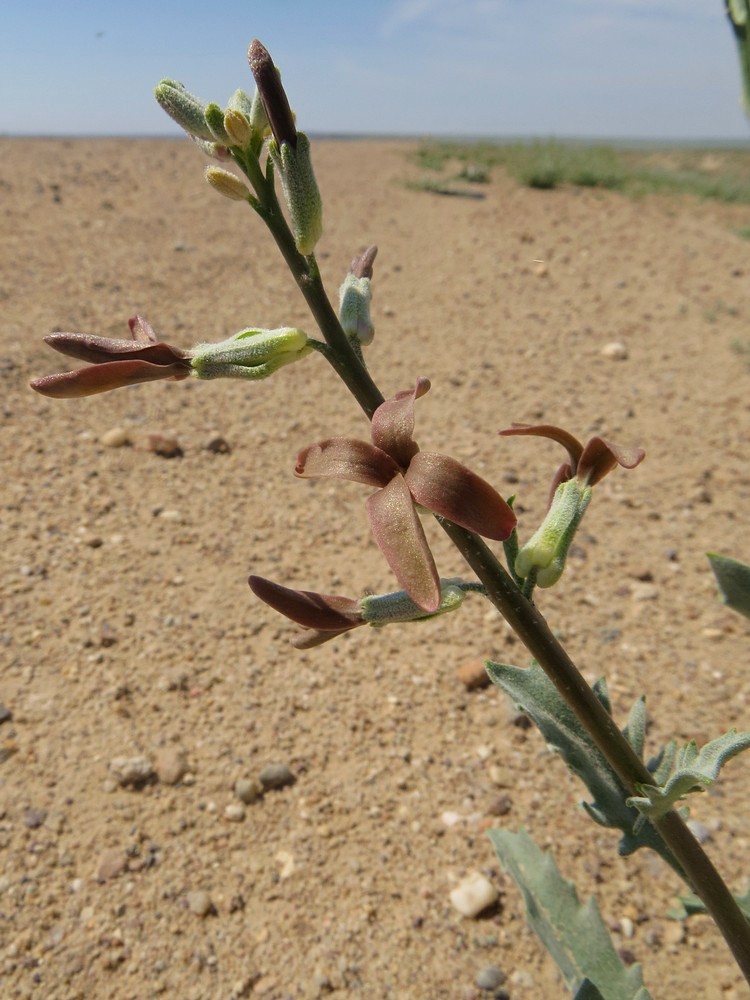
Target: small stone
[
  {"x": 132, "y": 771},
  {"x": 276, "y": 776},
  {"x": 699, "y": 830},
  {"x": 33, "y": 818},
  {"x": 170, "y": 765},
  {"x": 217, "y": 445},
  {"x": 674, "y": 933},
  {"x": 491, "y": 978},
  {"x": 248, "y": 790},
  {"x": 165, "y": 445},
  {"x": 234, "y": 812},
  {"x": 112, "y": 863},
  {"x": 540, "y": 269},
  {"x": 615, "y": 350},
  {"x": 627, "y": 927},
  {"x": 473, "y": 675},
  {"x": 5, "y": 714},
  {"x": 473, "y": 894},
  {"x": 644, "y": 592},
  {"x": 286, "y": 863},
  {"x": 117, "y": 437},
  {"x": 500, "y": 806},
  {"x": 199, "y": 903}
]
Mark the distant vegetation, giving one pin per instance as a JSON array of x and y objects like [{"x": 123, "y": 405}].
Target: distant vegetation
[{"x": 723, "y": 174}]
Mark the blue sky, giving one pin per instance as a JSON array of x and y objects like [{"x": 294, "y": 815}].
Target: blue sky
[{"x": 660, "y": 69}]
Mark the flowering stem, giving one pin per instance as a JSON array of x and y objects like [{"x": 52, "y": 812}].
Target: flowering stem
[{"x": 520, "y": 613}]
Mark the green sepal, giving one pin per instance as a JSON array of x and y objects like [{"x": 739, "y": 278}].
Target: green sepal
[
  {"x": 573, "y": 933},
  {"x": 214, "y": 116},
  {"x": 184, "y": 108},
  {"x": 733, "y": 578},
  {"x": 250, "y": 354},
  {"x": 546, "y": 551},
  {"x": 738, "y": 12},
  {"x": 384, "y": 609},
  {"x": 300, "y": 190}
]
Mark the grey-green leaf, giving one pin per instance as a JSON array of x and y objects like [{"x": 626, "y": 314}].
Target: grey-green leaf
[
  {"x": 733, "y": 578},
  {"x": 573, "y": 933},
  {"x": 532, "y": 690}
]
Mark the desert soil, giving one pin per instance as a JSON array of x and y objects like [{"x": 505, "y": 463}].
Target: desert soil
[{"x": 129, "y": 631}]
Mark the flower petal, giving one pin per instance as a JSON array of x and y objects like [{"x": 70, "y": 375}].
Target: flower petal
[
  {"x": 601, "y": 456},
  {"x": 399, "y": 533},
  {"x": 572, "y": 445},
  {"x": 393, "y": 423},
  {"x": 102, "y": 378},
  {"x": 87, "y": 347},
  {"x": 324, "y": 612},
  {"x": 141, "y": 330},
  {"x": 346, "y": 458},
  {"x": 451, "y": 490}
]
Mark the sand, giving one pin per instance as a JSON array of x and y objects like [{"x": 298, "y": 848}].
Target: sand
[{"x": 128, "y": 628}]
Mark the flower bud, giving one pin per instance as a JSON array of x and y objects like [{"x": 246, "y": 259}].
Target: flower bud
[
  {"x": 215, "y": 120},
  {"x": 300, "y": 190},
  {"x": 237, "y": 128},
  {"x": 184, "y": 108},
  {"x": 547, "y": 550},
  {"x": 251, "y": 353},
  {"x": 355, "y": 295},
  {"x": 227, "y": 183}
]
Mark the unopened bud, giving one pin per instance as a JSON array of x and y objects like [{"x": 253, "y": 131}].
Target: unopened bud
[
  {"x": 355, "y": 295},
  {"x": 237, "y": 128},
  {"x": 251, "y": 353},
  {"x": 547, "y": 550},
  {"x": 184, "y": 108},
  {"x": 215, "y": 121},
  {"x": 300, "y": 190},
  {"x": 227, "y": 183}
]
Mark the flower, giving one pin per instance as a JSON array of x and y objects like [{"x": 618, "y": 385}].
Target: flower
[
  {"x": 588, "y": 463},
  {"x": 116, "y": 363},
  {"x": 406, "y": 477},
  {"x": 251, "y": 354},
  {"x": 543, "y": 557},
  {"x": 326, "y": 616}
]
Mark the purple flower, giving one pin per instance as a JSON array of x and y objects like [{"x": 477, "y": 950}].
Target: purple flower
[
  {"x": 325, "y": 616},
  {"x": 406, "y": 477}
]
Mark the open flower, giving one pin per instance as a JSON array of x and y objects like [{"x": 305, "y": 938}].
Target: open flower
[
  {"x": 249, "y": 354},
  {"x": 116, "y": 363},
  {"x": 406, "y": 477},
  {"x": 326, "y": 616},
  {"x": 588, "y": 463},
  {"x": 542, "y": 558}
]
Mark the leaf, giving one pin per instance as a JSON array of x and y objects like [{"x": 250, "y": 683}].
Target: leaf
[
  {"x": 532, "y": 690},
  {"x": 691, "y": 904},
  {"x": 694, "y": 770},
  {"x": 733, "y": 578},
  {"x": 573, "y": 933}
]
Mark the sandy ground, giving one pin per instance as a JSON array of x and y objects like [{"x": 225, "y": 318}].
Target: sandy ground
[{"x": 128, "y": 629}]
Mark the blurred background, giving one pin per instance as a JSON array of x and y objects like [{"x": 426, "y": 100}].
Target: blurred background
[{"x": 624, "y": 69}]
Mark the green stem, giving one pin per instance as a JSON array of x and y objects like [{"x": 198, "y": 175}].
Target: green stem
[{"x": 521, "y": 614}]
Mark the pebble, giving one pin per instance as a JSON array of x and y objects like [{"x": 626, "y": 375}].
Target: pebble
[
  {"x": 133, "y": 771},
  {"x": 644, "y": 592},
  {"x": 699, "y": 830},
  {"x": 217, "y": 445},
  {"x": 615, "y": 350},
  {"x": 473, "y": 676},
  {"x": 117, "y": 437},
  {"x": 500, "y": 806},
  {"x": 473, "y": 894},
  {"x": 276, "y": 776},
  {"x": 248, "y": 790},
  {"x": 5, "y": 714},
  {"x": 111, "y": 863},
  {"x": 170, "y": 765},
  {"x": 234, "y": 812},
  {"x": 199, "y": 903},
  {"x": 33, "y": 818},
  {"x": 490, "y": 978},
  {"x": 165, "y": 445}
]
